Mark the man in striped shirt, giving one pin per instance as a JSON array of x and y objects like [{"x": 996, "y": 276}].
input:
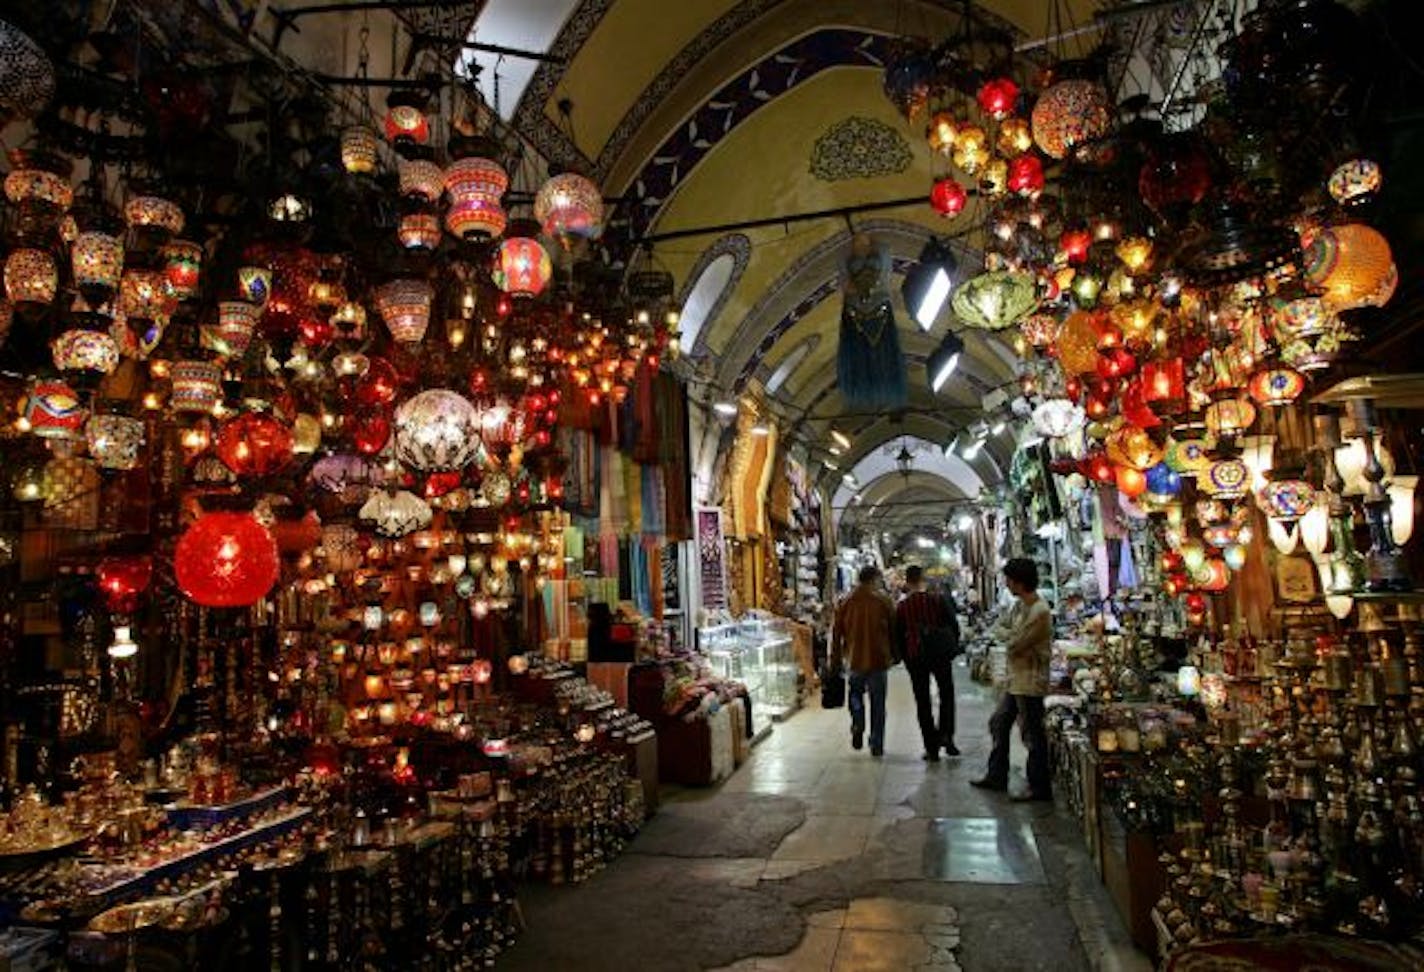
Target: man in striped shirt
[{"x": 928, "y": 633}]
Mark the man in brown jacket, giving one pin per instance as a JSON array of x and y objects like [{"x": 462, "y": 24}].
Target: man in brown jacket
[{"x": 865, "y": 623}]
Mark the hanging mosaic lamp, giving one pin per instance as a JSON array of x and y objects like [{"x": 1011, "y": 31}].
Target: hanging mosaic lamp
[
  {"x": 237, "y": 322},
  {"x": 254, "y": 283},
  {"x": 569, "y": 205},
  {"x": 152, "y": 217},
  {"x": 360, "y": 150},
  {"x": 421, "y": 179},
  {"x": 26, "y": 75},
  {"x": 997, "y": 98},
  {"x": 1187, "y": 456},
  {"x": 53, "y": 410},
  {"x": 226, "y": 559},
  {"x": 1355, "y": 181},
  {"x": 1225, "y": 479},
  {"x": 1163, "y": 482},
  {"x": 1286, "y": 499},
  {"x": 39, "y": 189},
  {"x": 522, "y": 265},
  {"x": 114, "y": 441},
  {"x": 1352, "y": 265},
  {"x": 476, "y": 186},
  {"x": 419, "y": 231},
  {"x": 947, "y": 198},
  {"x": 182, "y": 267},
  {"x": 1299, "y": 317},
  {"x": 397, "y": 514},
  {"x": 1274, "y": 387},
  {"x": 31, "y": 276},
  {"x": 197, "y": 386},
  {"x": 406, "y": 124},
  {"x": 1068, "y": 115},
  {"x": 81, "y": 350},
  {"x": 404, "y": 304},
  {"x": 1057, "y": 417},
  {"x": 996, "y": 300},
  {"x": 1230, "y": 417},
  {"x": 254, "y": 444},
  {"x": 437, "y": 430},
  {"x": 1024, "y": 176}
]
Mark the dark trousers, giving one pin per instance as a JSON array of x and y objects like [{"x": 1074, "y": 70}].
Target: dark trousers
[
  {"x": 1001, "y": 723},
  {"x": 941, "y": 670}
]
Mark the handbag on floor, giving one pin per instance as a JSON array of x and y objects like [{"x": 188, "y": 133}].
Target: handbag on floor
[{"x": 833, "y": 689}]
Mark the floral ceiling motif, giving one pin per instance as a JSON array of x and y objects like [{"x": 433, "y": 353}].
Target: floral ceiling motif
[{"x": 859, "y": 148}]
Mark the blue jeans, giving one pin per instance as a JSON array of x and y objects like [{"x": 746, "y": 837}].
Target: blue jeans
[{"x": 876, "y": 683}]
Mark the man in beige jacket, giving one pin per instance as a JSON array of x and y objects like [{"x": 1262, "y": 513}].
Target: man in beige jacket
[
  {"x": 865, "y": 623},
  {"x": 1027, "y": 635}
]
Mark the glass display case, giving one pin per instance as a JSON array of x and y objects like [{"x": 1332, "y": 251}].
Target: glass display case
[{"x": 757, "y": 652}]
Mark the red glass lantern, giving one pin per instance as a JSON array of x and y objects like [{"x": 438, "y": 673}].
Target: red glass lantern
[
  {"x": 1097, "y": 467},
  {"x": 1175, "y": 177},
  {"x": 1116, "y": 363},
  {"x": 997, "y": 98},
  {"x": 122, "y": 580},
  {"x": 296, "y": 531},
  {"x": 1164, "y": 384},
  {"x": 226, "y": 559},
  {"x": 948, "y": 198},
  {"x": 182, "y": 267},
  {"x": 54, "y": 410},
  {"x": 254, "y": 444},
  {"x": 378, "y": 385},
  {"x": 370, "y": 431},
  {"x": 1075, "y": 244},
  {"x": 1026, "y": 175},
  {"x": 406, "y": 124},
  {"x": 522, "y": 267}
]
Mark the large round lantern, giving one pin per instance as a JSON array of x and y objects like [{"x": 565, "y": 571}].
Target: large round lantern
[
  {"x": 97, "y": 261},
  {"x": 996, "y": 300},
  {"x": 31, "y": 276},
  {"x": 406, "y": 124},
  {"x": 254, "y": 444},
  {"x": 1068, "y": 115},
  {"x": 1352, "y": 265},
  {"x": 405, "y": 307},
  {"x": 114, "y": 440},
  {"x": 569, "y": 205},
  {"x": 226, "y": 559},
  {"x": 475, "y": 186},
  {"x": 1078, "y": 344},
  {"x": 1163, "y": 482},
  {"x": 26, "y": 74},
  {"x": 948, "y": 197},
  {"x": 522, "y": 267},
  {"x": 154, "y": 216},
  {"x": 437, "y": 430}
]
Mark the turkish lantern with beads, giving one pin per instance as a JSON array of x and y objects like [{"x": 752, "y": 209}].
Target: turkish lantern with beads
[
  {"x": 948, "y": 197},
  {"x": 254, "y": 444},
  {"x": 522, "y": 267},
  {"x": 997, "y": 98},
  {"x": 226, "y": 559}
]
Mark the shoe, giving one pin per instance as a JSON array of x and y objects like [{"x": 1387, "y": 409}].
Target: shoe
[
  {"x": 950, "y": 749},
  {"x": 877, "y": 753},
  {"x": 988, "y": 784},
  {"x": 1031, "y": 798},
  {"x": 930, "y": 757},
  {"x": 857, "y": 739}
]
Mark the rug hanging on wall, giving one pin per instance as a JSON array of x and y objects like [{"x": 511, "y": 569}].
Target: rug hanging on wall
[{"x": 869, "y": 364}]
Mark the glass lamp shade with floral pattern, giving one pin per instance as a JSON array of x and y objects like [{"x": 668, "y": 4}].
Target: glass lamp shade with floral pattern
[
  {"x": 1070, "y": 114},
  {"x": 82, "y": 350},
  {"x": 997, "y": 300},
  {"x": 1225, "y": 479},
  {"x": 1228, "y": 417},
  {"x": 237, "y": 322},
  {"x": 360, "y": 150},
  {"x": 404, "y": 305},
  {"x": 1057, "y": 417},
  {"x": 196, "y": 386},
  {"x": 406, "y": 124},
  {"x": 1355, "y": 181},
  {"x": 155, "y": 216},
  {"x": 569, "y": 205},
  {"x": 1274, "y": 387},
  {"x": 419, "y": 231},
  {"x": 476, "y": 187},
  {"x": 39, "y": 182},
  {"x": 1352, "y": 265},
  {"x": 53, "y": 410},
  {"x": 254, "y": 444},
  {"x": 31, "y": 276},
  {"x": 226, "y": 559},
  {"x": 182, "y": 267},
  {"x": 437, "y": 430},
  {"x": 1286, "y": 499},
  {"x": 396, "y": 514},
  {"x": 1298, "y": 317},
  {"x": 522, "y": 267},
  {"x": 115, "y": 441},
  {"x": 97, "y": 262},
  {"x": 146, "y": 295}
]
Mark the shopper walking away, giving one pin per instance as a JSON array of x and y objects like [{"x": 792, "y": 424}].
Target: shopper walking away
[
  {"x": 1026, "y": 633},
  {"x": 928, "y": 632},
  {"x": 865, "y": 624}
]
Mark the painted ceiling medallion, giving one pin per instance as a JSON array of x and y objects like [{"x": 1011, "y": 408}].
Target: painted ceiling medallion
[{"x": 859, "y": 148}]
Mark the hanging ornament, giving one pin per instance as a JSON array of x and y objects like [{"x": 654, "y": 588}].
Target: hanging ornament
[
  {"x": 522, "y": 266},
  {"x": 476, "y": 187},
  {"x": 1352, "y": 265},
  {"x": 569, "y": 205},
  {"x": 404, "y": 304},
  {"x": 226, "y": 559},
  {"x": 947, "y": 198},
  {"x": 254, "y": 444},
  {"x": 996, "y": 300},
  {"x": 1275, "y": 387},
  {"x": 437, "y": 430},
  {"x": 1069, "y": 115}
]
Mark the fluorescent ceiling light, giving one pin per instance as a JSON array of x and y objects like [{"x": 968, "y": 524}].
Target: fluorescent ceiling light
[
  {"x": 835, "y": 450},
  {"x": 928, "y": 283},
  {"x": 944, "y": 360},
  {"x": 965, "y": 522},
  {"x": 972, "y": 449},
  {"x": 841, "y": 438},
  {"x": 761, "y": 429},
  {"x": 998, "y": 427},
  {"x": 726, "y": 409},
  {"x": 849, "y": 479},
  {"x": 924, "y": 543}
]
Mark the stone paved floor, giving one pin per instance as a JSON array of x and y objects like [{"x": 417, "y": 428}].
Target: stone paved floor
[{"x": 816, "y": 857}]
